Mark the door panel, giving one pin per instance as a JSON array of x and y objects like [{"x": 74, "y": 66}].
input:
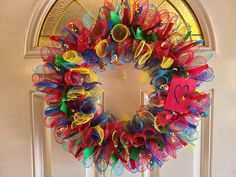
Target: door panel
[
  {"x": 182, "y": 166},
  {"x": 64, "y": 164},
  {"x": 123, "y": 94}
]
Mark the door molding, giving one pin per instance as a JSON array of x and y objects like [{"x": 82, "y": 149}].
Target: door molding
[
  {"x": 206, "y": 23},
  {"x": 39, "y": 13},
  {"x": 206, "y": 141},
  {"x": 40, "y": 143},
  {"x": 41, "y": 138}
]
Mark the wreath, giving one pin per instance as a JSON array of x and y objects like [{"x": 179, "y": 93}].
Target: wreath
[{"x": 161, "y": 47}]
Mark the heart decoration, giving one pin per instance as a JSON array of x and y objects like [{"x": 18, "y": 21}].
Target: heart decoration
[
  {"x": 181, "y": 93},
  {"x": 178, "y": 98}
]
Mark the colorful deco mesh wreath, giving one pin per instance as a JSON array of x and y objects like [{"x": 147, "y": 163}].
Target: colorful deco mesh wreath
[{"x": 156, "y": 43}]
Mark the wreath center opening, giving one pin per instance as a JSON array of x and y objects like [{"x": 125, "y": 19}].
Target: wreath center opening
[{"x": 123, "y": 88}]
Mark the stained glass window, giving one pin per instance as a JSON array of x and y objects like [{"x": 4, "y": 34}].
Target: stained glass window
[{"x": 64, "y": 10}]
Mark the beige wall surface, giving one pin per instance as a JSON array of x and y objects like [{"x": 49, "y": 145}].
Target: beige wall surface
[
  {"x": 223, "y": 15},
  {"x": 15, "y": 86}
]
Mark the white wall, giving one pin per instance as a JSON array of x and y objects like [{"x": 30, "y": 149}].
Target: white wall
[
  {"x": 224, "y": 137},
  {"x": 15, "y": 84}
]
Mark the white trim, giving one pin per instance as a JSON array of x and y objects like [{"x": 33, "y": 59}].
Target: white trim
[
  {"x": 206, "y": 24},
  {"x": 39, "y": 168},
  {"x": 206, "y": 141},
  {"x": 32, "y": 34}
]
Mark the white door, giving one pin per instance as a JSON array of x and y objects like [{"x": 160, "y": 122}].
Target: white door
[
  {"x": 20, "y": 159},
  {"x": 123, "y": 94}
]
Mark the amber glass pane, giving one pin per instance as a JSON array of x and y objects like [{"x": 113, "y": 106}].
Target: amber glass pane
[
  {"x": 64, "y": 10},
  {"x": 61, "y": 12},
  {"x": 186, "y": 14}
]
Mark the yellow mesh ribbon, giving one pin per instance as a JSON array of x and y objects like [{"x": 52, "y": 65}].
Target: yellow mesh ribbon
[
  {"x": 80, "y": 118},
  {"x": 122, "y": 31},
  {"x": 101, "y": 47},
  {"x": 166, "y": 62},
  {"x": 100, "y": 132},
  {"x": 143, "y": 58},
  {"x": 72, "y": 57}
]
